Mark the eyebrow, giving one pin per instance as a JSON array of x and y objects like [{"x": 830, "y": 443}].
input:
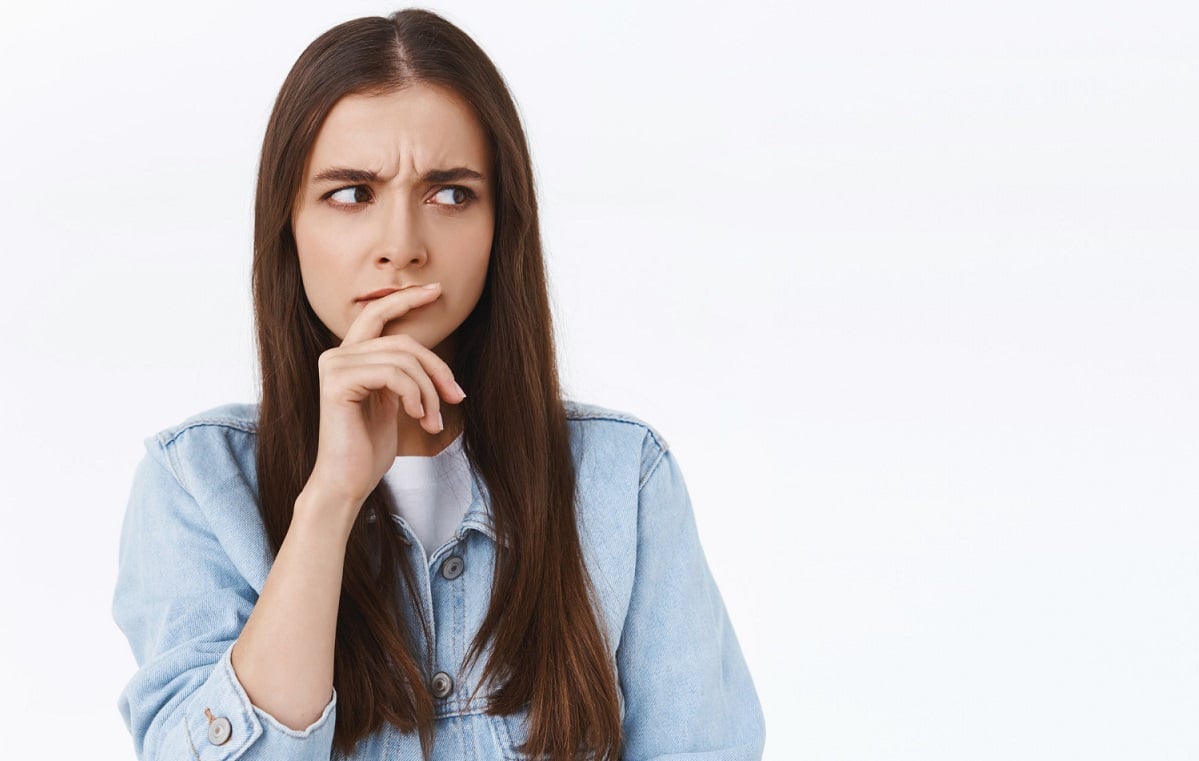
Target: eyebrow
[{"x": 348, "y": 174}]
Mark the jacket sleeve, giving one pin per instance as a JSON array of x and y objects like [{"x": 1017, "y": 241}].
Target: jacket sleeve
[
  {"x": 687, "y": 690},
  {"x": 182, "y": 604}
]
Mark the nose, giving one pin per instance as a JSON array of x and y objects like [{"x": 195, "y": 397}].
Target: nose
[{"x": 400, "y": 242}]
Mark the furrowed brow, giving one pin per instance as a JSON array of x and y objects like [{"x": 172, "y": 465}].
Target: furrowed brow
[{"x": 351, "y": 175}]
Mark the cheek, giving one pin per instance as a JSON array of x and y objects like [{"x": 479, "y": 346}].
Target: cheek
[
  {"x": 474, "y": 268},
  {"x": 316, "y": 249},
  {"x": 480, "y": 275},
  {"x": 461, "y": 255},
  {"x": 306, "y": 246},
  {"x": 482, "y": 246},
  {"x": 319, "y": 274}
]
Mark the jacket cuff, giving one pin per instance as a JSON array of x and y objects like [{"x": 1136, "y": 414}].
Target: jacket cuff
[{"x": 223, "y": 725}]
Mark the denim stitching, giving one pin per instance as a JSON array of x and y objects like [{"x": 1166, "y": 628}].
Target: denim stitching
[
  {"x": 187, "y": 733},
  {"x": 172, "y": 465},
  {"x": 658, "y": 438},
  {"x": 168, "y": 437},
  {"x": 582, "y": 411},
  {"x": 652, "y": 469},
  {"x": 234, "y": 423}
]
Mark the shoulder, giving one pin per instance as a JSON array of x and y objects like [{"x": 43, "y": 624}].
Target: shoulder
[
  {"x": 236, "y": 416},
  {"x": 205, "y": 491},
  {"x": 605, "y": 435},
  {"x": 203, "y": 444}
]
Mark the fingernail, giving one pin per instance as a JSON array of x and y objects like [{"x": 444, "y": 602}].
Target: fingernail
[
  {"x": 460, "y": 391},
  {"x": 430, "y": 286},
  {"x": 440, "y": 422}
]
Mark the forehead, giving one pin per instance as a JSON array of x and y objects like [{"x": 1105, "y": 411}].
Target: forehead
[{"x": 419, "y": 127}]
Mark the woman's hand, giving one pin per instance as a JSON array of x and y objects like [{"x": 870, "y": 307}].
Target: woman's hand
[{"x": 364, "y": 382}]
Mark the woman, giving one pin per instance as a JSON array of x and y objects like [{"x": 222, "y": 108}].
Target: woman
[{"x": 370, "y": 563}]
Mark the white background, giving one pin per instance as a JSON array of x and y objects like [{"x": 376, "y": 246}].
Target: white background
[{"x": 910, "y": 288}]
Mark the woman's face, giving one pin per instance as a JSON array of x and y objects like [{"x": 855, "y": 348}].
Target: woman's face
[{"x": 387, "y": 201}]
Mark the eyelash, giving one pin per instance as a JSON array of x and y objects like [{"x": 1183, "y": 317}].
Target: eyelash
[{"x": 470, "y": 197}]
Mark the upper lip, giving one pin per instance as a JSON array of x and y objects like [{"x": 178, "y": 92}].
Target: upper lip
[{"x": 379, "y": 293}]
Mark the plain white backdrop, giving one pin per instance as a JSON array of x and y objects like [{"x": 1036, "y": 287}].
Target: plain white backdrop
[{"x": 909, "y": 288}]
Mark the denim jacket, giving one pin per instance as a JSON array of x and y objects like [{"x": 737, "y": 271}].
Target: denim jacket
[{"x": 194, "y": 557}]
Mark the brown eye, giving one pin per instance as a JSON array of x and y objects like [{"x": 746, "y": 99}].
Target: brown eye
[
  {"x": 350, "y": 196},
  {"x": 459, "y": 195}
]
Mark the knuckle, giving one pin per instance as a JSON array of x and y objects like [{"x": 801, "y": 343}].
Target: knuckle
[
  {"x": 404, "y": 341},
  {"x": 404, "y": 360},
  {"x": 403, "y": 377},
  {"x": 331, "y": 354}
]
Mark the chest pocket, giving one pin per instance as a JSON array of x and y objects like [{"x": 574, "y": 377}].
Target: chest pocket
[{"x": 512, "y": 730}]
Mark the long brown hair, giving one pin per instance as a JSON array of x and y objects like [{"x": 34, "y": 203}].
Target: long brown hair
[{"x": 549, "y": 651}]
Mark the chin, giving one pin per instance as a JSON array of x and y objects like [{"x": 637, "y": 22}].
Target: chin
[
  {"x": 398, "y": 326},
  {"x": 425, "y": 336}
]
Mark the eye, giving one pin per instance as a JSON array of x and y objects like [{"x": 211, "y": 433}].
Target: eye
[
  {"x": 349, "y": 195},
  {"x": 467, "y": 195},
  {"x": 453, "y": 196}
]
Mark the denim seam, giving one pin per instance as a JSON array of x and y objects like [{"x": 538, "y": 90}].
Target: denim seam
[
  {"x": 234, "y": 423},
  {"x": 652, "y": 468},
  {"x": 583, "y": 411},
  {"x": 659, "y": 441},
  {"x": 457, "y": 708},
  {"x": 188, "y": 734},
  {"x": 606, "y": 416},
  {"x": 167, "y": 442},
  {"x": 173, "y": 466}
]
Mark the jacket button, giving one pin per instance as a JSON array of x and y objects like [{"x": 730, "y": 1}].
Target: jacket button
[
  {"x": 442, "y": 685},
  {"x": 452, "y": 567},
  {"x": 219, "y": 731}
]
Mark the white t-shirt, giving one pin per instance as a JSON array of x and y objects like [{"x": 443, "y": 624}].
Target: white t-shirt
[{"x": 431, "y": 494}]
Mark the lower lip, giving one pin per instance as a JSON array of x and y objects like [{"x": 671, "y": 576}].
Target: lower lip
[
  {"x": 376, "y": 298},
  {"x": 364, "y": 302}
]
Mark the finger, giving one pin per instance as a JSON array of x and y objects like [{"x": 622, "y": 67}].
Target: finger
[
  {"x": 378, "y": 312},
  {"x": 356, "y": 382},
  {"x": 402, "y": 384},
  {"x": 412, "y": 368},
  {"x": 434, "y": 366},
  {"x": 424, "y": 404}
]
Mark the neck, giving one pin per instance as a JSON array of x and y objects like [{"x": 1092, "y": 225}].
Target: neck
[{"x": 411, "y": 439}]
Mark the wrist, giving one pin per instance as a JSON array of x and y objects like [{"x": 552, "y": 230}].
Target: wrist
[{"x": 325, "y": 510}]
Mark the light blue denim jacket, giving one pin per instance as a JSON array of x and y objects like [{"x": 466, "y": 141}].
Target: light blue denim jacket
[{"x": 194, "y": 557}]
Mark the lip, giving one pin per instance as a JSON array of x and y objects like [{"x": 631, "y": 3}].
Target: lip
[{"x": 378, "y": 294}]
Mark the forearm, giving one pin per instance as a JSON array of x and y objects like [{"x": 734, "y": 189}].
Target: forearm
[{"x": 284, "y": 655}]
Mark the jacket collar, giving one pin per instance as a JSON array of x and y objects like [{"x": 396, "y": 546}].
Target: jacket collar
[{"x": 478, "y": 516}]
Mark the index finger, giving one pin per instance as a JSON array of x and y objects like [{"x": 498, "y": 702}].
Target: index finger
[{"x": 377, "y": 313}]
